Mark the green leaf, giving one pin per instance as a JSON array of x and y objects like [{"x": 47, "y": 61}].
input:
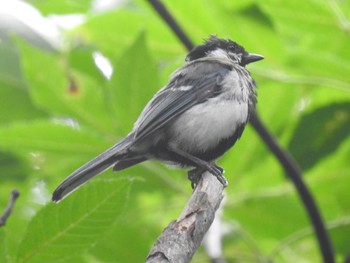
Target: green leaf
[
  {"x": 340, "y": 233},
  {"x": 137, "y": 18},
  {"x": 61, "y": 6},
  {"x": 321, "y": 40},
  {"x": 324, "y": 129},
  {"x": 13, "y": 168},
  {"x": 81, "y": 59},
  {"x": 10, "y": 71},
  {"x": 24, "y": 110},
  {"x": 271, "y": 225},
  {"x": 55, "y": 136},
  {"x": 53, "y": 149},
  {"x": 127, "y": 242},
  {"x": 64, "y": 91},
  {"x": 13, "y": 87},
  {"x": 133, "y": 84},
  {"x": 60, "y": 231},
  {"x": 3, "y": 251}
]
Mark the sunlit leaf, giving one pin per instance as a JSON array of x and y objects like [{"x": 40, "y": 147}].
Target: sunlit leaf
[
  {"x": 116, "y": 35},
  {"x": 63, "y": 91},
  {"x": 134, "y": 82},
  {"x": 62, "y": 6},
  {"x": 60, "y": 231},
  {"x": 13, "y": 87}
]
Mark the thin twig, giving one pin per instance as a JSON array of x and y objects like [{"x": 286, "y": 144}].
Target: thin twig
[
  {"x": 7, "y": 213},
  {"x": 180, "y": 240},
  {"x": 287, "y": 161},
  {"x": 175, "y": 27},
  {"x": 294, "y": 173}
]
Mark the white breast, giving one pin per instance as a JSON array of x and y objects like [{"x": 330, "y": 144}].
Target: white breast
[{"x": 203, "y": 126}]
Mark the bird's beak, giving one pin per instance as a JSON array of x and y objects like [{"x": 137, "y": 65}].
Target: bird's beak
[{"x": 251, "y": 58}]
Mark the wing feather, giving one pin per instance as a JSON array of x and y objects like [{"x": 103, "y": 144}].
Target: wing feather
[{"x": 185, "y": 90}]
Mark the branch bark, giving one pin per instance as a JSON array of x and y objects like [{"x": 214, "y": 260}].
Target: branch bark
[
  {"x": 181, "y": 238},
  {"x": 8, "y": 210}
]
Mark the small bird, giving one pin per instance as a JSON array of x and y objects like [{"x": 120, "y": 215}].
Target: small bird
[{"x": 190, "y": 122}]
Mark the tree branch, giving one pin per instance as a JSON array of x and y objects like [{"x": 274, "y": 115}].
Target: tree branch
[
  {"x": 175, "y": 27},
  {"x": 181, "y": 238},
  {"x": 7, "y": 213},
  {"x": 294, "y": 173}
]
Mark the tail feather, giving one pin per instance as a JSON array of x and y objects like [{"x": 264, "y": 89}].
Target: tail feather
[
  {"x": 91, "y": 169},
  {"x": 122, "y": 164}
]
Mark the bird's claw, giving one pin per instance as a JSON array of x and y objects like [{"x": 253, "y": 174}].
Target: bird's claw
[{"x": 194, "y": 175}]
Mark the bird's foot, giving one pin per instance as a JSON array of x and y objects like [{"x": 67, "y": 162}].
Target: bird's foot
[
  {"x": 195, "y": 174},
  {"x": 219, "y": 171}
]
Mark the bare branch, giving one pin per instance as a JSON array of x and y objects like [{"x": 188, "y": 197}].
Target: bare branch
[
  {"x": 172, "y": 23},
  {"x": 294, "y": 173},
  {"x": 7, "y": 213},
  {"x": 181, "y": 238}
]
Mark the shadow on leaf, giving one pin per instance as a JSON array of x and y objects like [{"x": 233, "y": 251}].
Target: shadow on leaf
[{"x": 320, "y": 133}]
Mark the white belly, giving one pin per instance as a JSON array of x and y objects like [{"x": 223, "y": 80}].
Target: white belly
[{"x": 204, "y": 125}]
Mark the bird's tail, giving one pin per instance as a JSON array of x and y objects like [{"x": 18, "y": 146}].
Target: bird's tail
[{"x": 91, "y": 169}]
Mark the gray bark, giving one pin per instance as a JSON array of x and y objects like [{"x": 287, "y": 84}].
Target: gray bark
[{"x": 181, "y": 238}]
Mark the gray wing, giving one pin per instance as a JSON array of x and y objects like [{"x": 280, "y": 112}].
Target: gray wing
[{"x": 191, "y": 85}]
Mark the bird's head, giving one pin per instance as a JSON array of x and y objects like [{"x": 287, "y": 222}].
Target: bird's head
[{"x": 222, "y": 48}]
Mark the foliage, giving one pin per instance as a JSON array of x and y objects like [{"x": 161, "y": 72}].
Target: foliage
[{"x": 58, "y": 110}]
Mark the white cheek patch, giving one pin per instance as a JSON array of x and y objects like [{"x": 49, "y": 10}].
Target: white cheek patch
[{"x": 218, "y": 53}]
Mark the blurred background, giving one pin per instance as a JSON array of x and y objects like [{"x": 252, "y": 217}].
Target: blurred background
[{"x": 74, "y": 76}]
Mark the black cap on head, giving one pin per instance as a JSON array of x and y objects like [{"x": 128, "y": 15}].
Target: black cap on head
[{"x": 213, "y": 43}]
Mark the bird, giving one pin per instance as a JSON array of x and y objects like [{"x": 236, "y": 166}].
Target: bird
[{"x": 189, "y": 123}]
